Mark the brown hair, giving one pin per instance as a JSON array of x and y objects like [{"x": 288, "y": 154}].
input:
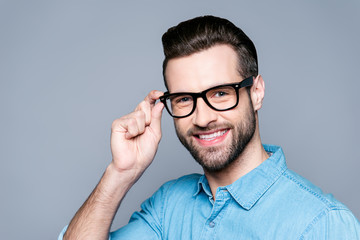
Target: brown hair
[{"x": 201, "y": 33}]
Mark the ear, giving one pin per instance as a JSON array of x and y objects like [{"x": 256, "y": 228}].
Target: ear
[{"x": 257, "y": 92}]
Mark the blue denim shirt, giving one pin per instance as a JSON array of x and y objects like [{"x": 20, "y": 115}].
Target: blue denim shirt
[{"x": 270, "y": 202}]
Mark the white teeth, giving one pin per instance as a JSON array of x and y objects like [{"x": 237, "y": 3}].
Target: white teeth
[{"x": 212, "y": 136}]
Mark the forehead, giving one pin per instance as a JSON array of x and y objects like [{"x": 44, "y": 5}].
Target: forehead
[{"x": 199, "y": 71}]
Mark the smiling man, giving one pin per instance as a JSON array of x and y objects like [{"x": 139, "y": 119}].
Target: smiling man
[{"x": 246, "y": 192}]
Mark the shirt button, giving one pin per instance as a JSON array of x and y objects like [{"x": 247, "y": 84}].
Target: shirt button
[{"x": 211, "y": 224}]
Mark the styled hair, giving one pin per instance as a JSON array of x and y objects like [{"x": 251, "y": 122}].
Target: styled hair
[{"x": 204, "y": 32}]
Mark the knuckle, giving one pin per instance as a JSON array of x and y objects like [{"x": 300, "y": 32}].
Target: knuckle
[
  {"x": 142, "y": 105},
  {"x": 115, "y": 123},
  {"x": 152, "y": 93},
  {"x": 145, "y": 104},
  {"x": 139, "y": 114},
  {"x": 132, "y": 122}
]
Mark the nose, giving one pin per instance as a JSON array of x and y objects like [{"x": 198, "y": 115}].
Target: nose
[{"x": 203, "y": 114}]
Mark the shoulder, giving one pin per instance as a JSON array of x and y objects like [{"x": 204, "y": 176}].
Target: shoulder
[
  {"x": 310, "y": 193},
  {"x": 321, "y": 214},
  {"x": 170, "y": 193},
  {"x": 336, "y": 223},
  {"x": 185, "y": 185}
]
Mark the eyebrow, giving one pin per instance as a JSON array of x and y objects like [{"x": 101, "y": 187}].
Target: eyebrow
[{"x": 211, "y": 86}]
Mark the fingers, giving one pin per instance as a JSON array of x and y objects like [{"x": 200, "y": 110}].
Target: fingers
[
  {"x": 145, "y": 107},
  {"x": 148, "y": 104},
  {"x": 131, "y": 125},
  {"x": 156, "y": 116},
  {"x": 153, "y": 96},
  {"x": 147, "y": 113},
  {"x": 156, "y": 109},
  {"x": 135, "y": 125}
]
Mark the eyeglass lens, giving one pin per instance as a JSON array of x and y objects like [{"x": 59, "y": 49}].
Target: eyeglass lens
[{"x": 220, "y": 98}]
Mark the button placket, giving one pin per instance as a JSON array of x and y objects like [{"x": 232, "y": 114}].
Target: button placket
[
  {"x": 212, "y": 224},
  {"x": 217, "y": 212},
  {"x": 222, "y": 196}
]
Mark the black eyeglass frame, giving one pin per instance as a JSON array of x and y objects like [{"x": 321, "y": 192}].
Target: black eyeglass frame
[{"x": 247, "y": 82}]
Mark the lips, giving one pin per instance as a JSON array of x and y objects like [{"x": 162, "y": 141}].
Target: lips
[{"x": 211, "y": 138}]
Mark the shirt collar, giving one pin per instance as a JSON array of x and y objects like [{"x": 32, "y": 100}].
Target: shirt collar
[
  {"x": 203, "y": 185},
  {"x": 248, "y": 189}
]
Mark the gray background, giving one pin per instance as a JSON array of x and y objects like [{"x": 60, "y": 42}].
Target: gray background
[{"x": 69, "y": 68}]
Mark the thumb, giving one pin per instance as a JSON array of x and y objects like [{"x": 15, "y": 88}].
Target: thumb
[{"x": 156, "y": 114}]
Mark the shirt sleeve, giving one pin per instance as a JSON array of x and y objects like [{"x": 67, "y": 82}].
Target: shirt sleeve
[
  {"x": 336, "y": 224},
  {"x": 61, "y": 235},
  {"x": 148, "y": 222},
  {"x": 145, "y": 224}
]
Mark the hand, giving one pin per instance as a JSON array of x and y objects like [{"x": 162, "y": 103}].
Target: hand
[{"x": 135, "y": 137}]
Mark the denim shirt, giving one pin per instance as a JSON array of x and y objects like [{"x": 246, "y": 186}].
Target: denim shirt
[{"x": 270, "y": 202}]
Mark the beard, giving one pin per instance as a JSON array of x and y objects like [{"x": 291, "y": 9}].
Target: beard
[{"x": 214, "y": 159}]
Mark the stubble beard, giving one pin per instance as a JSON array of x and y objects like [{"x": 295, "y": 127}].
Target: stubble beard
[{"x": 215, "y": 159}]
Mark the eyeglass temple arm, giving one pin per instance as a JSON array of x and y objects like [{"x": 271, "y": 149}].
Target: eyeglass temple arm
[{"x": 246, "y": 82}]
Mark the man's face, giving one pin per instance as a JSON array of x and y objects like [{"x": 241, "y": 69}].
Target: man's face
[{"x": 215, "y": 139}]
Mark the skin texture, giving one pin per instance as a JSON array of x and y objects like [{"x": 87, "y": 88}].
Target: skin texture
[
  {"x": 239, "y": 150},
  {"x": 135, "y": 137},
  {"x": 214, "y": 154},
  {"x": 134, "y": 141}
]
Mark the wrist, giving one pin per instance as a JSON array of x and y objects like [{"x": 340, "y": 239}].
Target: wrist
[{"x": 120, "y": 178}]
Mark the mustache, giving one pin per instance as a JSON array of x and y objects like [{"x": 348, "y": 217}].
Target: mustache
[{"x": 210, "y": 127}]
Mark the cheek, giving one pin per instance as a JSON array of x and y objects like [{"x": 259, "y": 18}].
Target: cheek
[
  {"x": 245, "y": 105},
  {"x": 235, "y": 116},
  {"x": 181, "y": 125},
  {"x": 232, "y": 115}
]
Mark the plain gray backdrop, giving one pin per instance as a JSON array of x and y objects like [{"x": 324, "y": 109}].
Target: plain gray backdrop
[{"x": 69, "y": 68}]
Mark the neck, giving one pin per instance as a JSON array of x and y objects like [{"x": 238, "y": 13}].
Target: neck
[{"x": 252, "y": 156}]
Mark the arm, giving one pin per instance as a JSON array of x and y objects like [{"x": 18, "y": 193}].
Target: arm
[
  {"x": 134, "y": 141},
  {"x": 335, "y": 224}
]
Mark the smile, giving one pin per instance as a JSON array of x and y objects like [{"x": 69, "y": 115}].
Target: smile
[{"x": 212, "y": 136}]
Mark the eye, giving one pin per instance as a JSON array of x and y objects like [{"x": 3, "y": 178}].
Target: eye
[
  {"x": 220, "y": 94},
  {"x": 182, "y": 100}
]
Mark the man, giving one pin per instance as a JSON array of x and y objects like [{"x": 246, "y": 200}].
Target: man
[{"x": 246, "y": 192}]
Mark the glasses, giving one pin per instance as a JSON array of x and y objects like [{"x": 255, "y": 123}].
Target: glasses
[{"x": 220, "y": 98}]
